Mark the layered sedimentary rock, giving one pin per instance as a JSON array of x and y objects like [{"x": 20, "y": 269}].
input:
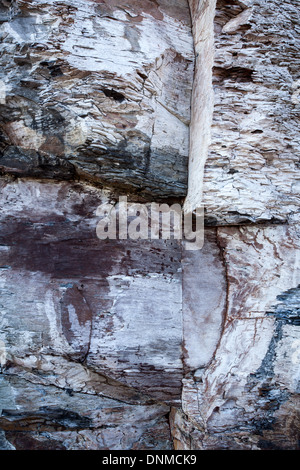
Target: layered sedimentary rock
[
  {"x": 242, "y": 390},
  {"x": 97, "y": 91},
  {"x": 144, "y": 344},
  {"x": 84, "y": 321},
  {"x": 252, "y": 170},
  {"x": 241, "y": 292},
  {"x": 92, "y": 88}
]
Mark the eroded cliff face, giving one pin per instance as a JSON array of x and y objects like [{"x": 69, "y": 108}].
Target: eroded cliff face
[
  {"x": 242, "y": 389},
  {"x": 95, "y": 103},
  {"x": 252, "y": 170},
  {"x": 241, "y": 291},
  {"x": 92, "y": 88},
  {"x": 143, "y": 344}
]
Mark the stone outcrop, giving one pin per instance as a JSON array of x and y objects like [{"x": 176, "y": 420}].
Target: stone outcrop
[
  {"x": 91, "y": 88},
  {"x": 84, "y": 323},
  {"x": 143, "y": 344},
  {"x": 252, "y": 169},
  {"x": 241, "y": 291}
]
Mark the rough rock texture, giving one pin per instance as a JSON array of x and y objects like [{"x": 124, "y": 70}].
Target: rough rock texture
[
  {"x": 252, "y": 169},
  {"x": 244, "y": 393},
  {"x": 122, "y": 344},
  {"x": 91, "y": 87},
  {"x": 241, "y": 292},
  {"x": 84, "y": 323}
]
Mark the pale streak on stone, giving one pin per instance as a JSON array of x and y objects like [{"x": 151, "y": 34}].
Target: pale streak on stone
[
  {"x": 147, "y": 65},
  {"x": 24, "y": 136},
  {"x": 48, "y": 308}
]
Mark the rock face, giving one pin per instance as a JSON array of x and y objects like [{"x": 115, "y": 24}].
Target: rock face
[
  {"x": 241, "y": 292},
  {"x": 252, "y": 169},
  {"x": 243, "y": 388},
  {"x": 142, "y": 344},
  {"x": 90, "y": 322},
  {"x": 91, "y": 88}
]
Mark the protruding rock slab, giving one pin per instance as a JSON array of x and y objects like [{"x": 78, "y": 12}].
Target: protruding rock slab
[{"x": 204, "y": 301}]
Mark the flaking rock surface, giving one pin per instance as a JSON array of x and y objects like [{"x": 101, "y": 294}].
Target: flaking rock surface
[
  {"x": 98, "y": 88},
  {"x": 142, "y": 344}
]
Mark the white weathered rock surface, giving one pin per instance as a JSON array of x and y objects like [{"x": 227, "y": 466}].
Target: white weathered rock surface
[
  {"x": 252, "y": 169},
  {"x": 102, "y": 89},
  {"x": 117, "y": 344},
  {"x": 240, "y": 396}
]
